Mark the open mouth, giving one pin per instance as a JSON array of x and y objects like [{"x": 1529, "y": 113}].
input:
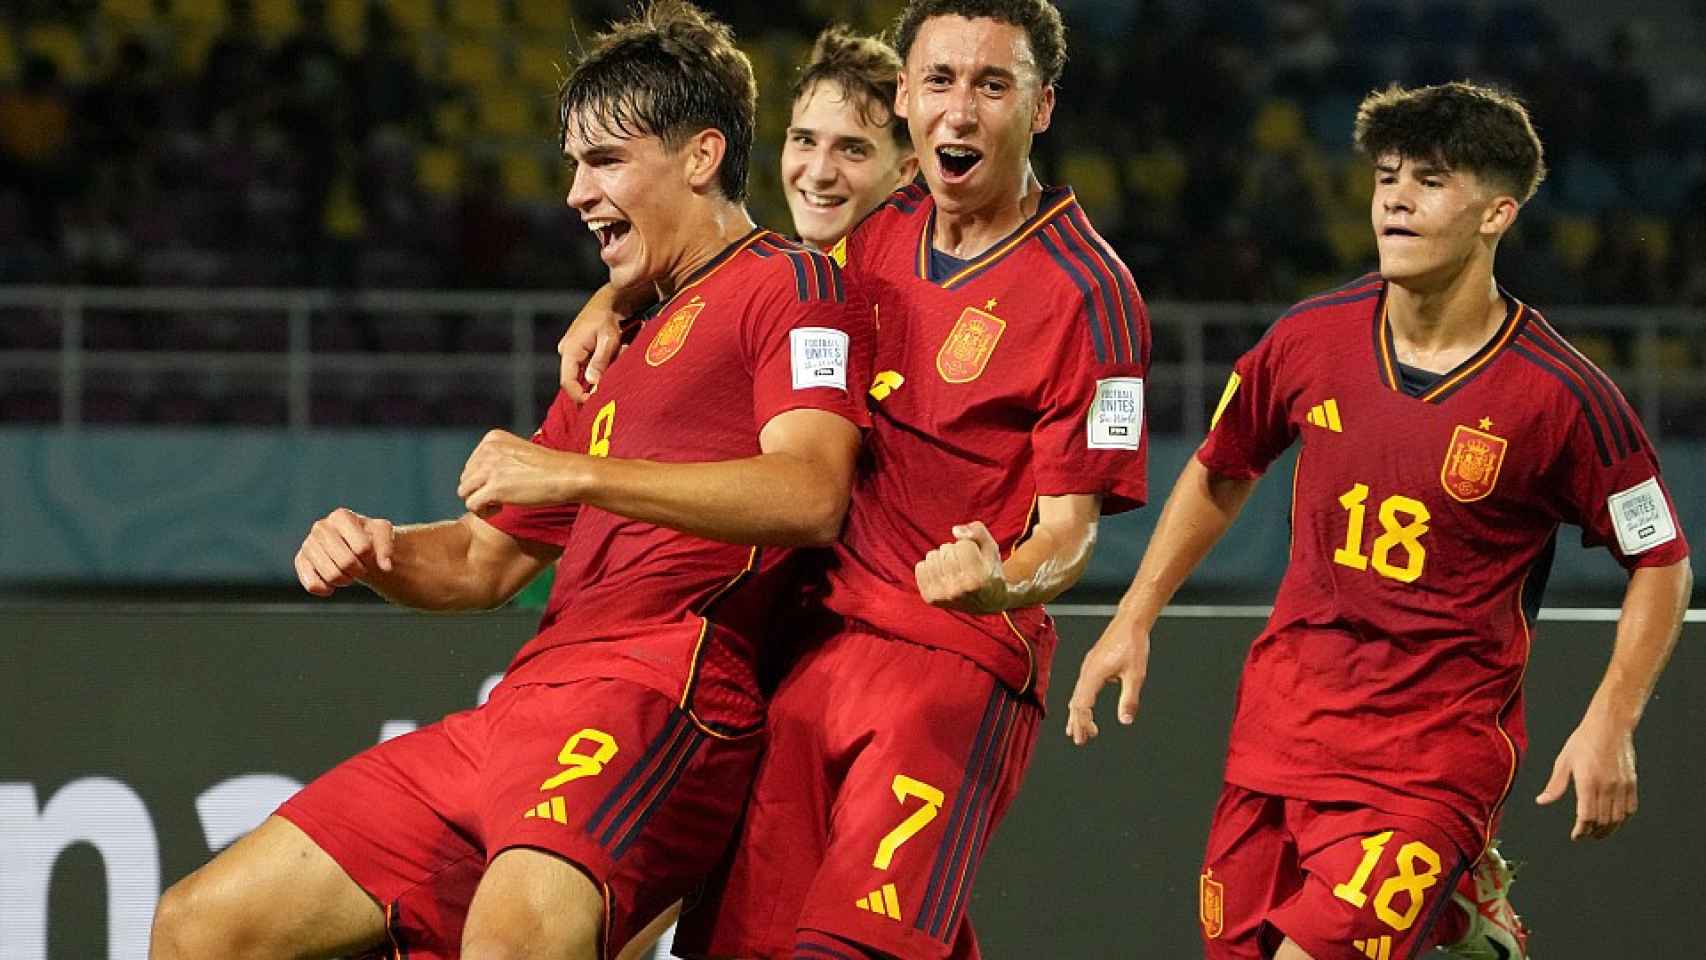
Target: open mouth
[
  {"x": 957, "y": 161},
  {"x": 819, "y": 201},
  {"x": 609, "y": 232},
  {"x": 1398, "y": 232}
]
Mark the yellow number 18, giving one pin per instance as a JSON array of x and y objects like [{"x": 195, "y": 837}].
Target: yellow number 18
[{"x": 1403, "y": 521}]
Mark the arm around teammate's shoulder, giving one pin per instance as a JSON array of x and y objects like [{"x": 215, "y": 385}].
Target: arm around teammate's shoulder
[
  {"x": 460, "y": 564},
  {"x": 1197, "y": 514}
]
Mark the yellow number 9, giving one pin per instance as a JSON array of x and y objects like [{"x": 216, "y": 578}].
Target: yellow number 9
[{"x": 601, "y": 425}]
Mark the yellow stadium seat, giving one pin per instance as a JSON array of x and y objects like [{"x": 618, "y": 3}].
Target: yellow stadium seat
[
  {"x": 413, "y": 15},
  {"x": 438, "y": 170},
  {"x": 549, "y": 18},
  {"x": 1278, "y": 127},
  {"x": 8, "y": 56},
  {"x": 1670, "y": 353},
  {"x": 130, "y": 12},
  {"x": 202, "y": 14},
  {"x": 1094, "y": 182},
  {"x": 479, "y": 16},
  {"x": 64, "y": 46},
  {"x": 1574, "y": 240},
  {"x": 1352, "y": 241},
  {"x": 506, "y": 114},
  {"x": 1653, "y": 235},
  {"x": 524, "y": 177},
  {"x": 277, "y": 19},
  {"x": 346, "y": 21},
  {"x": 473, "y": 65},
  {"x": 1596, "y": 347},
  {"x": 450, "y": 121},
  {"x": 1158, "y": 173},
  {"x": 189, "y": 51},
  {"x": 541, "y": 67}
]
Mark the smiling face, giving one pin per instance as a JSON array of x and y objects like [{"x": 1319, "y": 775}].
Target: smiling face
[
  {"x": 630, "y": 191},
  {"x": 973, "y": 98},
  {"x": 837, "y": 165},
  {"x": 1430, "y": 220}
]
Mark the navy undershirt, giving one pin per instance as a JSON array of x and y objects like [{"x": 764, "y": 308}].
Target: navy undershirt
[
  {"x": 1415, "y": 381},
  {"x": 943, "y": 266}
]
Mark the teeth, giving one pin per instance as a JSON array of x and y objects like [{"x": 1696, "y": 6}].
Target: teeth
[
  {"x": 601, "y": 224},
  {"x": 819, "y": 200},
  {"x": 959, "y": 151}
]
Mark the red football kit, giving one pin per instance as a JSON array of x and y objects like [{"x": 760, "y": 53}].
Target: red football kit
[
  {"x": 901, "y": 735},
  {"x": 1425, "y": 511},
  {"x": 623, "y": 737}
]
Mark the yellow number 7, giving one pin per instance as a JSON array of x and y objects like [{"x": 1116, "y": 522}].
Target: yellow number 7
[{"x": 904, "y": 786}]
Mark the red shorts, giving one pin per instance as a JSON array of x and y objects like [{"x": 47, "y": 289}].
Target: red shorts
[
  {"x": 606, "y": 774},
  {"x": 1344, "y": 882},
  {"x": 888, "y": 767}
]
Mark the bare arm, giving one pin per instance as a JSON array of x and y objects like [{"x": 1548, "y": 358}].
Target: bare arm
[
  {"x": 1600, "y": 755},
  {"x": 794, "y": 493},
  {"x": 1198, "y": 513},
  {"x": 969, "y": 574},
  {"x": 461, "y": 564},
  {"x": 594, "y": 338}
]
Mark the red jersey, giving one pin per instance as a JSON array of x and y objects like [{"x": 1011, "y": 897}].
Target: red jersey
[
  {"x": 1423, "y": 527},
  {"x": 1017, "y": 376},
  {"x": 762, "y": 329}
]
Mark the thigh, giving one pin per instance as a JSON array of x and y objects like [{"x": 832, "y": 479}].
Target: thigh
[
  {"x": 274, "y": 892},
  {"x": 1249, "y": 868},
  {"x": 935, "y": 754},
  {"x": 1374, "y": 884},
  {"x": 615, "y": 779}
]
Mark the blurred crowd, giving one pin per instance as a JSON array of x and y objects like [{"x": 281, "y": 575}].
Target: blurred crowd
[{"x": 411, "y": 143}]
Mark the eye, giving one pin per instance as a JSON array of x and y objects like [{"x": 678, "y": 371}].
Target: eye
[
  {"x": 936, "y": 80},
  {"x": 800, "y": 140},
  {"x": 994, "y": 88},
  {"x": 856, "y": 151},
  {"x": 1432, "y": 182}
]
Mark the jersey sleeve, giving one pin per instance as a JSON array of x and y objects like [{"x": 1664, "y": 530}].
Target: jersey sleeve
[
  {"x": 1611, "y": 487},
  {"x": 1250, "y": 427},
  {"x": 550, "y": 524},
  {"x": 1092, "y": 433},
  {"x": 808, "y": 344}
]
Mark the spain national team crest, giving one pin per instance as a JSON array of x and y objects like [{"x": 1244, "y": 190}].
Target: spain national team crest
[
  {"x": 674, "y": 333},
  {"x": 966, "y": 351},
  {"x": 1212, "y": 905},
  {"x": 1472, "y": 464}
]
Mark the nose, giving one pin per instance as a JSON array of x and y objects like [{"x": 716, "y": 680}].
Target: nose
[
  {"x": 820, "y": 168},
  {"x": 1397, "y": 197},
  {"x": 583, "y": 196},
  {"x": 961, "y": 109}
]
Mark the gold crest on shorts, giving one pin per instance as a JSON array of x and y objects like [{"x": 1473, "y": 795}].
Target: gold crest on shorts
[
  {"x": 966, "y": 351},
  {"x": 674, "y": 333},
  {"x": 1472, "y": 464},
  {"x": 1211, "y": 897}
]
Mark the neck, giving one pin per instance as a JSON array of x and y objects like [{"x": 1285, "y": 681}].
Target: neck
[
  {"x": 968, "y": 233},
  {"x": 1440, "y": 326},
  {"x": 708, "y": 234}
]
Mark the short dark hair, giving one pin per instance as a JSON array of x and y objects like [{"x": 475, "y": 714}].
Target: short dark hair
[
  {"x": 864, "y": 68},
  {"x": 670, "y": 72},
  {"x": 1038, "y": 18},
  {"x": 1462, "y": 125}
]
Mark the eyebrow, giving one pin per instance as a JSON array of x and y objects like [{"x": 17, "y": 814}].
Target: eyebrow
[{"x": 983, "y": 73}]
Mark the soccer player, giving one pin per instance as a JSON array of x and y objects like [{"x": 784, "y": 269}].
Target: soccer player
[
  {"x": 1446, "y": 431},
  {"x": 846, "y": 150},
  {"x": 603, "y": 777},
  {"x": 1007, "y": 417}
]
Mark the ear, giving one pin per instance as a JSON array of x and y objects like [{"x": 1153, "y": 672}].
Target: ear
[
  {"x": 1045, "y": 110},
  {"x": 702, "y": 158},
  {"x": 900, "y": 94},
  {"x": 908, "y": 169},
  {"x": 1498, "y": 216}
]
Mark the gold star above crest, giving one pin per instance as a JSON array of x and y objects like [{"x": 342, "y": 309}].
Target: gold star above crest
[
  {"x": 1486, "y": 423},
  {"x": 990, "y": 306}
]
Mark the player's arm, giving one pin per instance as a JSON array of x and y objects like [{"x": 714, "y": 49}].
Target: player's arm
[
  {"x": 1197, "y": 514},
  {"x": 1599, "y": 757},
  {"x": 968, "y": 573},
  {"x": 461, "y": 564},
  {"x": 794, "y": 493}
]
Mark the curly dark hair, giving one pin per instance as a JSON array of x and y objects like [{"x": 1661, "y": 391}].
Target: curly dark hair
[
  {"x": 1463, "y": 125},
  {"x": 1038, "y": 18},
  {"x": 670, "y": 72},
  {"x": 864, "y": 68}
]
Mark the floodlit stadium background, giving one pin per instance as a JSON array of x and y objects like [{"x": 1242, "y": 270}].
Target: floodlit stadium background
[{"x": 250, "y": 271}]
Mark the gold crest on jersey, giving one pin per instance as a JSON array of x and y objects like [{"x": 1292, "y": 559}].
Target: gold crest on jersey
[
  {"x": 674, "y": 333},
  {"x": 1211, "y": 909},
  {"x": 966, "y": 351},
  {"x": 1472, "y": 464}
]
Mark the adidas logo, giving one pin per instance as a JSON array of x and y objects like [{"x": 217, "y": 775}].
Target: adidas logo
[
  {"x": 1326, "y": 414},
  {"x": 1372, "y": 948},
  {"x": 881, "y": 902},
  {"x": 552, "y": 809}
]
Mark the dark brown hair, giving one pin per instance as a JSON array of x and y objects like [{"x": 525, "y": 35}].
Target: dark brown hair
[
  {"x": 670, "y": 72},
  {"x": 1464, "y": 126},
  {"x": 1038, "y": 18},
  {"x": 864, "y": 68}
]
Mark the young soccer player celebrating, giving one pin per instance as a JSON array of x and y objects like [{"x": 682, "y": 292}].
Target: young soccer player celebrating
[
  {"x": 603, "y": 777},
  {"x": 1446, "y": 431}
]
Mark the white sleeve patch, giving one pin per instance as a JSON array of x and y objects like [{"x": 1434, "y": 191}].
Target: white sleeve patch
[
  {"x": 1116, "y": 415},
  {"x": 1641, "y": 517},
  {"x": 819, "y": 357}
]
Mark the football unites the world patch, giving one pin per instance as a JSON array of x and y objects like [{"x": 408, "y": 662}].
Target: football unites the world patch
[
  {"x": 1472, "y": 463},
  {"x": 673, "y": 333},
  {"x": 1116, "y": 415},
  {"x": 969, "y": 345},
  {"x": 1641, "y": 516},
  {"x": 819, "y": 357}
]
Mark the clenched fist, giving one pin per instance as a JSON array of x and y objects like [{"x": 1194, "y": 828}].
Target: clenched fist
[{"x": 340, "y": 549}]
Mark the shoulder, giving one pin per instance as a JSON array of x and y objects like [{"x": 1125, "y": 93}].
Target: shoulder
[
  {"x": 778, "y": 267},
  {"x": 909, "y": 204},
  {"x": 1565, "y": 379},
  {"x": 1089, "y": 278},
  {"x": 1352, "y": 305}
]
